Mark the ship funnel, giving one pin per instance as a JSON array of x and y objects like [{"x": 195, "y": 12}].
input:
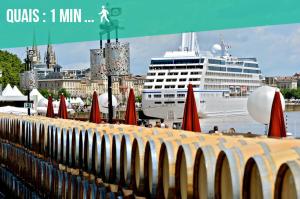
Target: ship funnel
[{"x": 189, "y": 42}]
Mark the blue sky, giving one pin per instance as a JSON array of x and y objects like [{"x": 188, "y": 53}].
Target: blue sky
[{"x": 277, "y": 48}]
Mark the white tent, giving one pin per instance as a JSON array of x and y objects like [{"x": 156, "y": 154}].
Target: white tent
[
  {"x": 15, "y": 110},
  {"x": 55, "y": 104},
  {"x": 16, "y": 91},
  {"x": 79, "y": 101},
  {"x": 35, "y": 92},
  {"x": 9, "y": 91},
  {"x": 73, "y": 100}
]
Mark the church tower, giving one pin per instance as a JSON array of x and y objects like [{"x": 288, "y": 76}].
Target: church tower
[
  {"x": 50, "y": 58},
  {"x": 34, "y": 54}
]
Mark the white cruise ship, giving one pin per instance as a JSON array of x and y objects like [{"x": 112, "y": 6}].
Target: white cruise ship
[{"x": 221, "y": 81}]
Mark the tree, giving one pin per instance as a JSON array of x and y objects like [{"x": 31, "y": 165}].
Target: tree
[
  {"x": 138, "y": 99},
  {"x": 46, "y": 93},
  {"x": 291, "y": 93},
  {"x": 64, "y": 91},
  {"x": 11, "y": 67}
]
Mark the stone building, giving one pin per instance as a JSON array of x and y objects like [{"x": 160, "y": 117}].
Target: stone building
[
  {"x": 85, "y": 87},
  {"x": 287, "y": 82}
]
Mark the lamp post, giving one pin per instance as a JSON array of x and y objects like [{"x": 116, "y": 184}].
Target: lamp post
[
  {"x": 28, "y": 68},
  {"x": 28, "y": 79},
  {"x": 116, "y": 55}
]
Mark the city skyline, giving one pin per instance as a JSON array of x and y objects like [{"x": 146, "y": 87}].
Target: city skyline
[{"x": 277, "y": 48}]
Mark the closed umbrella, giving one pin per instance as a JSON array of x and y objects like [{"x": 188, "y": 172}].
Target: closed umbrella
[
  {"x": 95, "y": 110},
  {"x": 190, "y": 121},
  {"x": 130, "y": 116},
  {"x": 277, "y": 122},
  {"x": 50, "y": 110},
  {"x": 62, "y": 111}
]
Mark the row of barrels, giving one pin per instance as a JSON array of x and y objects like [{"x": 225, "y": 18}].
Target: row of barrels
[
  {"x": 165, "y": 163},
  {"x": 48, "y": 180},
  {"x": 14, "y": 187}
]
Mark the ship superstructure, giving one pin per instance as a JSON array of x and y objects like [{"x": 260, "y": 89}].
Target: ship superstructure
[{"x": 221, "y": 82}]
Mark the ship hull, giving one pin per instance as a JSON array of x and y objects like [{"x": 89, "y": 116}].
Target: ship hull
[{"x": 207, "y": 107}]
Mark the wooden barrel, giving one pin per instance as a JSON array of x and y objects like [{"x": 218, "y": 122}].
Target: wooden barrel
[
  {"x": 260, "y": 172},
  {"x": 72, "y": 187},
  {"x": 51, "y": 145},
  {"x": 230, "y": 164},
  {"x": 40, "y": 148},
  {"x": 106, "y": 157},
  {"x": 287, "y": 183},
  {"x": 58, "y": 145},
  {"x": 137, "y": 165},
  {"x": 116, "y": 158},
  {"x": 184, "y": 169},
  {"x": 69, "y": 147},
  {"x": 126, "y": 147},
  {"x": 81, "y": 147},
  {"x": 204, "y": 165},
  {"x": 83, "y": 189},
  {"x": 48, "y": 178},
  {"x": 64, "y": 146},
  {"x": 75, "y": 147},
  {"x": 88, "y": 149},
  {"x": 96, "y": 156},
  {"x": 92, "y": 191},
  {"x": 65, "y": 185}
]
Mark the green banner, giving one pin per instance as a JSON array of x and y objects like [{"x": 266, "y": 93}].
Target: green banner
[{"x": 75, "y": 21}]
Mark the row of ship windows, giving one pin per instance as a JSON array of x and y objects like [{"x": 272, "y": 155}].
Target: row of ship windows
[
  {"x": 175, "y": 67},
  {"x": 230, "y": 81},
  {"x": 166, "y": 95},
  {"x": 169, "y": 86},
  {"x": 239, "y": 63},
  {"x": 196, "y": 61},
  {"x": 175, "y": 73},
  {"x": 174, "y": 80},
  {"x": 235, "y": 70},
  {"x": 169, "y": 102},
  {"x": 229, "y": 74},
  {"x": 214, "y": 87},
  {"x": 177, "y": 61}
]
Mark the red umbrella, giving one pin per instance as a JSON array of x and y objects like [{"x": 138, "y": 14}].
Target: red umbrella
[
  {"x": 50, "y": 110},
  {"x": 277, "y": 122},
  {"x": 130, "y": 116},
  {"x": 190, "y": 121},
  {"x": 62, "y": 110},
  {"x": 95, "y": 111}
]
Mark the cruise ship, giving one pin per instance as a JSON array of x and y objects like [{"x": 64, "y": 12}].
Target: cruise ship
[{"x": 221, "y": 81}]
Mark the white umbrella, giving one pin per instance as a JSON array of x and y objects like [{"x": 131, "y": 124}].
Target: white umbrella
[
  {"x": 15, "y": 110},
  {"x": 103, "y": 102},
  {"x": 43, "y": 103}
]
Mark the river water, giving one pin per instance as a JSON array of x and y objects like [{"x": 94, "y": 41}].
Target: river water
[{"x": 245, "y": 124}]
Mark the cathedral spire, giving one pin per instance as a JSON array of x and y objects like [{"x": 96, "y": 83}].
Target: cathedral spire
[
  {"x": 50, "y": 58},
  {"x": 34, "y": 53}
]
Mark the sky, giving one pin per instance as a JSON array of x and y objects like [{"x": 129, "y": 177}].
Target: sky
[{"x": 277, "y": 48}]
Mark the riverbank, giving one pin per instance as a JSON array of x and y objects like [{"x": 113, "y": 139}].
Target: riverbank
[{"x": 292, "y": 107}]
